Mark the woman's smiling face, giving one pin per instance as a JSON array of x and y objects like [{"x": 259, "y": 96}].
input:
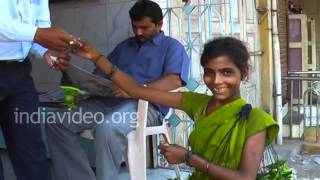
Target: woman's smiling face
[{"x": 223, "y": 78}]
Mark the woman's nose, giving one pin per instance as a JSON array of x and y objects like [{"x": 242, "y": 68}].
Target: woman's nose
[{"x": 217, "y": 78}]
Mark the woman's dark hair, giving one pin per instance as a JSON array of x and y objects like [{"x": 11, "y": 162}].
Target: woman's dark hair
[
  {"x": 146, "y": 8},
  {"x": 226, "y": 46}
]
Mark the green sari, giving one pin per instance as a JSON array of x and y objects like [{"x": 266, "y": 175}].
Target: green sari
[{"x": 220, "y": 136}]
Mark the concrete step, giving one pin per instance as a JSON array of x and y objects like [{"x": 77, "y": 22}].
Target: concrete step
[{"x": 311, "y": 147}]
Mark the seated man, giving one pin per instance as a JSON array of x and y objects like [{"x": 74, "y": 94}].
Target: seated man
[{"x": 150, "y": 58}]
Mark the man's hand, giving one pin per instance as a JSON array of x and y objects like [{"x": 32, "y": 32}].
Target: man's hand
[
  {"x": 173, "y": 153},
  {"x": 117, "y": 92},
  {"x": 53, "y": 38},
  {"x": 62, "y": 60}
]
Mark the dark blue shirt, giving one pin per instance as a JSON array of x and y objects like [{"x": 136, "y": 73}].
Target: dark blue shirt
[{"x": 160, "y": 56}]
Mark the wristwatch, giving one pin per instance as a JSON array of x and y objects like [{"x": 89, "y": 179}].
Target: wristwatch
[{"x": 114, "y": 68}]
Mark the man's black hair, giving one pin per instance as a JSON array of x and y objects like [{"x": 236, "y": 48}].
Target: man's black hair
[{"x": 146, "y": 8}]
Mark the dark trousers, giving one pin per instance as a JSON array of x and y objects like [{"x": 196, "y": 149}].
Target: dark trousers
[{"x": 18, "y": 102}]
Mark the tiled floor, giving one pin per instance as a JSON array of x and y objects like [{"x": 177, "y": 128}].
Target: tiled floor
[{"x": 153, "y": 174}]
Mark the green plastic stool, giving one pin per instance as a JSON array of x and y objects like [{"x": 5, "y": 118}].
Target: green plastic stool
[{"x": 69, "y": 93}]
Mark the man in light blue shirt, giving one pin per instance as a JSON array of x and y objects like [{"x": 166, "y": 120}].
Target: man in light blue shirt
[
  {"x": 150, "y": 58},
  {"x": 25, "y": 28}
]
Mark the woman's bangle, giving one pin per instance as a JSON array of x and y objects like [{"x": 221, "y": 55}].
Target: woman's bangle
[
  {"x": 97, "y": 58},
  {"x": 114, "y": 68},
  {"x": 207, "y": 167},
  {"x": 187, "y": 157}
]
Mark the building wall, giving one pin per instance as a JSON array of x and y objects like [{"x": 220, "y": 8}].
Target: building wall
[
  {"x": 267, "y": 101},
  {"x": 104, "y": 23}
]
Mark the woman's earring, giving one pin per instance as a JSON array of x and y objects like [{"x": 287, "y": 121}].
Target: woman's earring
[
  {"x": 207, "y": 90},
  {"x": 244, "y": 78}
]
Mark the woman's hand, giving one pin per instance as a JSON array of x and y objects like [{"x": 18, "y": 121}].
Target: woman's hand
[
  {"x": 86, "y": 51},
  {"x": 173, "y": 153},
  {"x": 57, "y": 60}
]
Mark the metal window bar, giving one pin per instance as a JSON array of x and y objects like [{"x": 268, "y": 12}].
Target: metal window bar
[
  {"x": 180, "y": 22},
  {"x": 304, "y": 90}
]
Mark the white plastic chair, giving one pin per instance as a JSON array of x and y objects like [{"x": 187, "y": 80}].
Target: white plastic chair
[
  {"x": 137, "y": 142},
  {"x": 136, "y": 150}
]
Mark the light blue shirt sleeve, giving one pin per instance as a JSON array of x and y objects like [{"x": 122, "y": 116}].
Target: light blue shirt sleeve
[
  {"x": 36, "y": 48},
  {"x": 19, "y": 22},
  {"x": 43, "y": 21}
]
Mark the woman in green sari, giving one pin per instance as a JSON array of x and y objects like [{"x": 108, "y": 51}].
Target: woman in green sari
[{"x": 226, "y": 143}]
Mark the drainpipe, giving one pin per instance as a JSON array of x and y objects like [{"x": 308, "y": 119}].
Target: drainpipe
[{"x": 273, "y": 17}]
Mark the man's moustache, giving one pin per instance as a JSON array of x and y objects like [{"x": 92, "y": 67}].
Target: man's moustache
[{"x": 141, "y": 38}]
